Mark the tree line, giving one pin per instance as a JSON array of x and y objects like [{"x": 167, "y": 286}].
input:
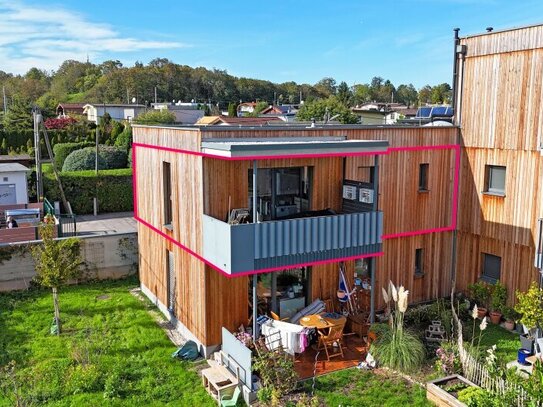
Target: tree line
[{"x": 112, "y": 82}]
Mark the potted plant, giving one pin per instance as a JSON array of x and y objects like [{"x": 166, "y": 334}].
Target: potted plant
[
  {"x": 510, "y": 316},
  {"x": 499, "y": 298},
  {"x": 530, "y": 307},
  {"x": 480, "y": 293}
]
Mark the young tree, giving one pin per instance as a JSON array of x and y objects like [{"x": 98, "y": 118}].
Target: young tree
[
  {"x": 232, "y": 110},
  {"x": 57, "y": 262},
  {"x": 344, "y": 94}
]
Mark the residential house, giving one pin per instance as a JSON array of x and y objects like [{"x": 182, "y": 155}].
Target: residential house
[
  {"x": 116, "y": 111},
  {"x": 375, "y": 113},
  {"x": 246, "y": 108},
  {"x": 326, "y": 197},
  {"x": 67, "y": 109},
  {"x": 287, "y": 113}
]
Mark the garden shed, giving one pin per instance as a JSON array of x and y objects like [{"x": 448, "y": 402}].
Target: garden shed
[{"x": 13, "y": 184}]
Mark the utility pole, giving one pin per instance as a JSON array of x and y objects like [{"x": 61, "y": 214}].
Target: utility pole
[
  {"x": 37, "y": 157},
  {"x": 155, "y": 95},
  {"x": 5, "y": 99}
]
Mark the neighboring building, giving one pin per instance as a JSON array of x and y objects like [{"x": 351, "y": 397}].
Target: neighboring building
[
  {"x": 327, "y": 196},
  {"x": 376, "y": 113},
  {"x": 185, "y": 113},
  {"x": 236, "y": 121},
  {"x": 287, "y": 113},
  {"x": 13, "y": 184},
  {"x": 500, "y": 102},
  {"x": 246, "y": 108},
  {"x": 21, "y": 159},
  {"x": 116, "y": 111},
  {"x": 67, "y": 109}
]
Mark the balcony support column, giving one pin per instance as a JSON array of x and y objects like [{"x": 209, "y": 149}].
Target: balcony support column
[
  {"x": 255, "y": 276},
  {"x": 373, "y": 260}
]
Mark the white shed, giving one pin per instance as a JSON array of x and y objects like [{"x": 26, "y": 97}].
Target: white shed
[{"x": 13, "y": 184}]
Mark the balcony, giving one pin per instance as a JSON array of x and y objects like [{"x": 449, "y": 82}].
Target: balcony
[{"x": 243, "y": 248}]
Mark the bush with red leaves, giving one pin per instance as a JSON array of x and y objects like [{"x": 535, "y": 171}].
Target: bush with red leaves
[{"x": 59, "y": 123}]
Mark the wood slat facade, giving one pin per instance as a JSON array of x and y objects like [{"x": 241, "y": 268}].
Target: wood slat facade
[
  {"x": 501, "y": 96},
  {"x": 207, "y": 300}
]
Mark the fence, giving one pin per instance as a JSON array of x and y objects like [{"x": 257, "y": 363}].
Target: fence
[{"x": 477, "y": 373}]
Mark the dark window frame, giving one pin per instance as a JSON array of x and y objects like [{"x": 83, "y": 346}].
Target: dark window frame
[
  {"x": 490, "y": 276},
  {"x": 419, "y": 262},
  {"x": 167, "y": 204},
  {"x": 424, "y": 170},
  {"x": 490, "y": 178}
]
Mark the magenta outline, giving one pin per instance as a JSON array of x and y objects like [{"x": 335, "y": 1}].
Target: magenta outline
[{"x": 454, "y": 214}]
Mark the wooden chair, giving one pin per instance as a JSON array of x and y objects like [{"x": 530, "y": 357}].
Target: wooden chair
[
  {"x": 334, "y": 335},
  {"x": 329, "y": 305},
  {"x": 276, "y": 317}
]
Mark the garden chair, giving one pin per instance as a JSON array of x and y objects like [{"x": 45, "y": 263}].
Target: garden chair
[
  {"x": 277, "y": 317},
  {"x": 227, "y": 400},
  {"x": 327, "y": 340}
]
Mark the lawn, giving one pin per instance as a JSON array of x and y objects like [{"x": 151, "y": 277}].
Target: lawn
[
  {"x": 354, "y": 387},
  {"x": 507, "y": 343},
  {"x": 111, "y": 351}
]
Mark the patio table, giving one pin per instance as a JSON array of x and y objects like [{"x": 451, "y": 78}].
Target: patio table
[{"x": 319, "y": 322}]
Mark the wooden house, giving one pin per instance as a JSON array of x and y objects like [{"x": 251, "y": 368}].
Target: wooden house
[{"x": 378, "y": 201}]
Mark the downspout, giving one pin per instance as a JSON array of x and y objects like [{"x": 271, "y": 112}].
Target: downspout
[
  {"x": 255, "y": 276},
  {"x": 373, "y": 260}
]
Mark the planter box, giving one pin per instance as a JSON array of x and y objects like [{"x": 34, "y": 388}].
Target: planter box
[{"x": 436, "y": 393}]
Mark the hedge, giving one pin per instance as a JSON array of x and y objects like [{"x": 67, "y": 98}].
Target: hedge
[
  {"x": 113, "y": 189},
  {"x": 109, "y": 158},
  {"x": 63, "y": 150}
]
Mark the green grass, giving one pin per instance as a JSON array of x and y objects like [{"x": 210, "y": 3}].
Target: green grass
[
  {"x": 507, "y": 343},
  {"x": 360, "y": 388},
  {"x": 111, "y": 351}
]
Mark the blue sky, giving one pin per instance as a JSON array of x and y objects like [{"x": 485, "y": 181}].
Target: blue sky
[{"x": 303, "y": 41}]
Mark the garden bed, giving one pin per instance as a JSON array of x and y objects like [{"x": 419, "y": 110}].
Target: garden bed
[{"x": 444, "y": 391}]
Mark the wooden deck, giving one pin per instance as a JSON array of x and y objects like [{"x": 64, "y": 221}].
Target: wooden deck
[{"x": 354, "y": 351}]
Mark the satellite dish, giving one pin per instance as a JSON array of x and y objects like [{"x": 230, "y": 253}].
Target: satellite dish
[
  {"x": 173, "y": 101},
  {"x": 133, "y": 100}
]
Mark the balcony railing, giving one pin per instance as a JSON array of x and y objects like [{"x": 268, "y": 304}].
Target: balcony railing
[{"x": 283, "y": 243}]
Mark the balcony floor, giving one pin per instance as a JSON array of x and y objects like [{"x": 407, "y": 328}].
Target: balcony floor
[{"x": 354, "y": 351}]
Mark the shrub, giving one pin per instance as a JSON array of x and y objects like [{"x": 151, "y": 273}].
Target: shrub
[
  {"x": 475, "y": 397},
  {"x": 124, "y": 139},
  {"x": 113, "y": 189},
  {"x": 530, "y": 306},
  {"x": 63, "y": 150},
  {"x": 84, "y": 159},
  {"x": 499, "y": 297},
  {"x": 480, "y": 293},
  {"x": 59, "y": 123},
  {"x": 155, "y": 117},
  {"x": 109, "y": 158}
]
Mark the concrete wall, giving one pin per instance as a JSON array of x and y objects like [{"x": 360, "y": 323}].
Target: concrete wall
[{"x": 106, "y": 257}]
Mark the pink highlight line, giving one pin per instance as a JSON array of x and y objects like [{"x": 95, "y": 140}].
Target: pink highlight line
[
  {"x": 251, "y": 272},
  {"x": 258, "y": 157},
  {"x": 418, "y": 232},
  {"x": 134, "y": 182}
]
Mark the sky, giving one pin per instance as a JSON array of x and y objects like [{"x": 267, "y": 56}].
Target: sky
[{"x": 305, "y": 40}]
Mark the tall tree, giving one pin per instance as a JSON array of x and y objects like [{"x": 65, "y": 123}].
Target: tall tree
[
  {"x": 326, "y": 87},
  {"x": 324, "y": 109},
  {"x": 425, "y": 94},
  {"x": 344, "y": 94},
  {"x": 406, "y": 94},
  {"x": 19, "y": 116}
]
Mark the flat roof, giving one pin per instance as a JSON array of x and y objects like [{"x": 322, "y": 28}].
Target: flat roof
[
  {"x": 13, "y": 167},
  {"x": 291, "y": 146}
]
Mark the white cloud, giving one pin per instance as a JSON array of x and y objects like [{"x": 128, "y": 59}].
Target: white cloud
[{"x": 46, "y": 36}]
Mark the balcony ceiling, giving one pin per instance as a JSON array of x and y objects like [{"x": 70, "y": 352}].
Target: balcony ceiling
[{"x": 290, "y": 146}]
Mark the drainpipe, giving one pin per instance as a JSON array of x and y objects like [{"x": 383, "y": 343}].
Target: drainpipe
[
  {"x": 255, "y": 276},
  {"x": 455, "y": 68},
  {"x": 373, "y": 260}
]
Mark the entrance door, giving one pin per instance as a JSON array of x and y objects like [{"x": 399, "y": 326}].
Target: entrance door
[
  {"x": 285, "y": 293},
  {"x": 8, "y": 195}
]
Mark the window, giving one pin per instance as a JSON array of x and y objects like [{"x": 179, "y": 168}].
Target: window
[
  {"x": 366, "y": 174},
  {"x": 171, "y": 286},
  {"x": 419, "y": 266},
  {"x": 495, "y": 180},
  {"x": 491, "y": 268},
  {"x": 423, "y": 177},
  {"x": 5, "y": 179},
  {"x": 167, "y": 191}
]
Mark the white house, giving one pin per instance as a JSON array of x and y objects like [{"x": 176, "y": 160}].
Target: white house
[
  {"x": 116, "y": 111},
  {"x": 13, "y": 184}
]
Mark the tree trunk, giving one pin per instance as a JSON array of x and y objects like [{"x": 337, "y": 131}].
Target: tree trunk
[{"x": 57, "y": 309}]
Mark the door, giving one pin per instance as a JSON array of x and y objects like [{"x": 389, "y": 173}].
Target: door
[{"x": 8, "y": 195}]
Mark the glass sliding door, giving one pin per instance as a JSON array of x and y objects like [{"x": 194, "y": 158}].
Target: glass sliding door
[{"x": 284, "y": 293}]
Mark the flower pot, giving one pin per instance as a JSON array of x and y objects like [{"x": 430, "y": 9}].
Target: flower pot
[
  {"x": 522, "y": 355},
  {"x": 527, "y": 343},
  {"x": 509, "y": 324},
  {"x": 481, "y": 312},
  {"x": 495, "y": 317}
]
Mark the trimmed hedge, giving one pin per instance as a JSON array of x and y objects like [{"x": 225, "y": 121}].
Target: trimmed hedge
[
  {"x": 63, "y": 150},
  {"x": 113, "y": 189},
  {"x": 109, "y": 158}
]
